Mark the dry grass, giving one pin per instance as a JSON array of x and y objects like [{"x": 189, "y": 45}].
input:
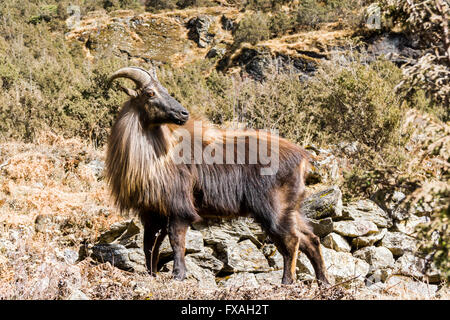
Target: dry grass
[{"x": 52, "y": 177}]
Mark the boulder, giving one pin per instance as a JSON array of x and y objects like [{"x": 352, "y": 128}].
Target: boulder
[
  {"x": 240, "y": 279},
  {"x": 269, "y": 278},
  {"x": 367, "y": 210},
  {"x": 97, "y": 167},
  {"x": 49, "y": 223},
  {"x": 343, "y": 266},
  {"x": 321, "y": 227},
  {"x": 206, "y": 260},
  {"x": 326, "y": 203},
  {"x": 216, "y": 52},
  {"x": 204, "y": 277},
  {"x": 242, "y": 256},
  {"x": 410, "y": 225},
  {"x": 128, "y": 233},
  {"x": 398, "y": 243},
  {"x": 216, "y": 231},
  {"x": 194, "y": 243},
  {"x": 78, "y": 295},
  {"x": 416, "y": 267},
  {"x": 119, "y": 256},
  {"x": 368, "y": 240},
  {"x": 379, "y": 275},
  {"x": 340, "y": 266},
  {"x": 336, "y": 242},
  {"x": 199, "y": 30},
  {"x": 376, "y": 257},
  {"x": 227, "y": 23},
  {"x": 272, "y": 255},
  {"x": 405, "y": 287},
  {"x": 304, "y": 270},
  {"x": 354, "y": 228},
  {"x": 131, "y": 36}
]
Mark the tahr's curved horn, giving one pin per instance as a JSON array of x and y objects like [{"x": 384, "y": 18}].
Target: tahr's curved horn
[{"x": 140, "y": 76}]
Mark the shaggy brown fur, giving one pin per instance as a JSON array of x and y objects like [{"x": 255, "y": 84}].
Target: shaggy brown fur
[{"x": 168, "y": 196}]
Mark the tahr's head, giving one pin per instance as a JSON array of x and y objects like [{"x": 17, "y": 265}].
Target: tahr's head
[{"x": 152, "y": 97}]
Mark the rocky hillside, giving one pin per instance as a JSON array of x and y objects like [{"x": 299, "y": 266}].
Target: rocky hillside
[
  {"x": 62, "y": 239},
  {"x": 377, "y": 195}
]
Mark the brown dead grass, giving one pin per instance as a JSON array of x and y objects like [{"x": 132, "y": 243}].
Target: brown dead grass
[{"x": 52, "y": 177}]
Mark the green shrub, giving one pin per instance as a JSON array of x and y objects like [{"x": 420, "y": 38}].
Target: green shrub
[
  {"x": 253, "y": 28},
  {"x": 151, "y": 5},
  {"x": 359, "y": 103},
  {"x": 280, "y": 23},
  {"x": 311, "y": 13}
]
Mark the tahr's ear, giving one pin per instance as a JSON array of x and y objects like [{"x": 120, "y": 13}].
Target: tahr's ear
[{"x": 152, "y": 72}]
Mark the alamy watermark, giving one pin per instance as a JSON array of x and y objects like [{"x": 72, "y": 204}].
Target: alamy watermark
[{"x": 213, "y": 146}]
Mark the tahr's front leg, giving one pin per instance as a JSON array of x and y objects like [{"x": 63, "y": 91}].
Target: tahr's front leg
[
  {"x": 177, "y": 236},
  {"x": 155, "y": 230}
]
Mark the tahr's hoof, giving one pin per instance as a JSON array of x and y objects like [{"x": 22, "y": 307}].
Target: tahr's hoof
[
  {"x": 179, "y": 277},
  {"x": 324, "y": 284}
]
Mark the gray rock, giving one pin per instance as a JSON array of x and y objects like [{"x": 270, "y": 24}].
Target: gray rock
[
  {"x": 243, "y": 257},
  {"x": 336, "y": 242},
  {"x": 269, "y": 278},
  {"x": 327, "y": 167},
  {"x": 204, "y": 277},
  {"x": 137, "y": 259},
  {"x": 354, "y": 228},
  {"x": 410, "y": 225},
  {"x": 6, "y": 245},
  {"x": 413, "y": 266},
  {"x": 120, "y": 232},
  {"x": 194, "y": 243},
  {"x": 367, "y": 210},
  {"x": 199, "y": 30},
  {"x": 206, "y": 260},
  {"x": 218, "y": 52},
  {"x": 343, "y": 266},
  {"x": 376, "y": 257},
  {"x": 368, "y": 240},
  {"x": 216, "y": 231},
  {"x": 78, "y": 295},
  {"x": 97, "y": 168},
  {"x": 272, "y": 255},
  {"x": 379, "y": 275},
  {"x": 398, "y": 243},
  {"x": 304, "y": 270},
  {"x": 240, "y": 279},
  {"x": 67, "y": 255},
  {"x": 227, "y": 23},
  {"x": 326, "y": 203},
  {"x": 405, "y": 287},
  {"x": 116, "y": 254},
  {"x": 321, "y": 227},
  {"x": 47, "y": 223}
]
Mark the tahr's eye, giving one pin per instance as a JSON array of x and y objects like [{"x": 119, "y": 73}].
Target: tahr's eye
[{"x": 150, "y": 93}]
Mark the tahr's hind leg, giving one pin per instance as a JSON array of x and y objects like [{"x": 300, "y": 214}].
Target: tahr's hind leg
[
  {"x": 286, "y": 238},
  {"x": 155, "y": 230},
  {"x": 310, "y": 245}
]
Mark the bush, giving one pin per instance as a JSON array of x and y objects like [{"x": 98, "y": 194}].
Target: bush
[
  {"x": 151, "y": 5},
  {"x": 359, "y": 104},
  {"x": 311, "y": 13},
  {"x": 252, "y": 28},
  {"x": 280, "y": 23}
]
